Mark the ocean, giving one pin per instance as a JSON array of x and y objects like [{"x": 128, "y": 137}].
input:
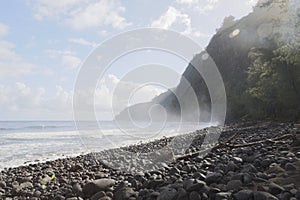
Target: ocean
[{"x": 25, "y": 142}]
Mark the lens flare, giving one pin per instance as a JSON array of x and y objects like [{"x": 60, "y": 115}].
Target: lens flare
[{"x": 234, "y": 33}]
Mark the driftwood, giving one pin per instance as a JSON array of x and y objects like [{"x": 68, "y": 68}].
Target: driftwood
[{"x": 227, "y": 144}]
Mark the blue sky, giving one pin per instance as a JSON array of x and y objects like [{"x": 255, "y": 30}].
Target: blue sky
[{"x": 44, "y": 42}]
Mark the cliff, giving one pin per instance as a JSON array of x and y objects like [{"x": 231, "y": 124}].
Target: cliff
[{"x": 229, "y": 48}]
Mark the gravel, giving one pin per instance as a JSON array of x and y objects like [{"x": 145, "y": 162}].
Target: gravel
[{"x": 263, "y": 170}]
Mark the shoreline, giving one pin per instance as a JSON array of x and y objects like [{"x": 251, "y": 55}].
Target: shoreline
[{"x": 228, "y": 171}]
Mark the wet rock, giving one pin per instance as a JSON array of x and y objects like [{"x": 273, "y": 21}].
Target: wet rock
[
  {"x": 289, "y": 167},
  {"x": 214, "y": 177},
  {"x": 105, "y": 198},
  {"x": 26, "y": 185},
  {"x": 167, "y": 193},
  {"x": 223, "y": 195},
  {"x": 231, "y": 166},
  {"x": 244, "y": 194},
  {"x": 2, "y": 184},
  {"x": 234, "y": 185},
  {"x": 98, "y": 195},
  {"x": 76, "y": 168},
  {"x": 194, "y": 196},
  {"x": 259, "y": 195},
  {"x": 174, "y": 170},
  {"x": 59, "y": 197},
  {"x": 275, "y": 189},
  {"x": 182, "y": 194},
  {"x": 95, "y": 186},
  {"x": 76, "y": 188},
  {"x": 123, "y": 192},
  {"x": 265, "y": 162},
  {"x": 249, "y": 168}
]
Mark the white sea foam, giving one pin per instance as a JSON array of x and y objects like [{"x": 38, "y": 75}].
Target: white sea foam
[{"x": 61, "y": 139}]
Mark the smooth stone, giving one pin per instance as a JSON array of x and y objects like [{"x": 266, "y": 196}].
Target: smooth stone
[
  {"x": 37, "y": 193},
  {"x": 110, "y": 194},
  {"x": 95, "y": 186},
  {"x": 293, "y": 191},
  {"x": 194, "y": 196},
  {"x": 124, "y": 192},
  {"x": 266, "y": 162},
  {"x": 244, "y": 194},
  {"x": 198, "y": 175},
  {"x": 154, "y": 183},
  {"x": 15, "y": 184},
  {"x": 76, "y": 168},
  {"x": 214, "y": 190},
  {"x": 213, "y": 177},
  {"x": 26, "y": 185},
  {"x": 196, "y": 186},
  {"x": 275, "y": 168},
  {"x": 59, "y": 197},
  {"x": 247, "y": 178},
  {"x": 249, "y": 168},
  {"x": 285, "y": 196},
  {"x": 289, "y": 186},
  {"x": 237, "y": 159},
  {"x": 167, "y": 193},
  {"x": 262, "y": 175},
  {"x": 239, "y": 176},
  {"x": 223, "y": 195},
  {"x": 182, "y": 194},
  {"x": 174, "y": 170},
  {"x": 154, "y": 195},
  {"x": 98, "y": 195},
  {"x": 289, "y": 167},
  {"x": 231, "y": 166},
  {"x": 259, "y": 195},
  {"x": 105, "y": 198},
  {"x": 297, "y": 195},
  {"x": 275, "y": 189},
  {"x": 76, "y": 188},
  {"x": 2, "y": 184},
  {"x": 234, "y": 184},
  {"x": 188, "y": 183}
]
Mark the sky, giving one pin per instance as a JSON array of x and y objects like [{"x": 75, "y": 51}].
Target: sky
[{"x": 43, "y": 44}]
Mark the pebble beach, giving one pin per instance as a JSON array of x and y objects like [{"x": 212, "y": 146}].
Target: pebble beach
[{"x": 251, "y": 160}]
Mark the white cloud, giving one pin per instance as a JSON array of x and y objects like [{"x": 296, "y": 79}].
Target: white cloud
[
  {"x": 24, "y": 102},
  {"x": 12, "y": 64},
  {"x": 103, "y": 33},
  {"x": 178, "y": 21},
  {"x": 112, "y": 86},
  {"x": 20, "y": 97},
  {"x": 196, "y": 1},
  {"x": 45, "y": 9},
  {"x": 20, "y": 101},
  {"x": 68, "y": 59},
  {"x": 82, "y": 15},
  {"x": 82, "y": 41},
  {"x": 103, "y": 12},
  {"x": 4, "y": 29},
  {"x": 171, "y": 18},
  {"x": 189, "y": 2},
  {"x": 202, "y": 6},
  {"x": 251, "y": 2}
]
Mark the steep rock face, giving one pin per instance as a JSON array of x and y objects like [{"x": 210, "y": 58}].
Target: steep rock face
[{"x": 229, "y": 49}]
